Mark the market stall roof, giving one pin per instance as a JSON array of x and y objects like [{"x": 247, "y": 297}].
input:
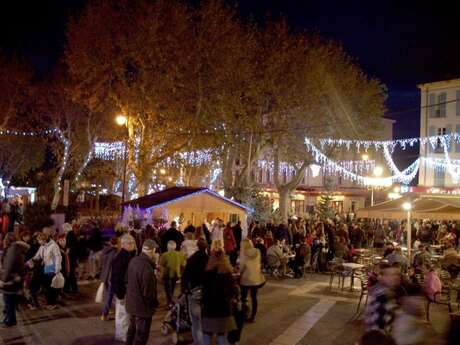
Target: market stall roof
[
  {"x": 190, "y": 197},
  {"x": 424, "y": 205}
]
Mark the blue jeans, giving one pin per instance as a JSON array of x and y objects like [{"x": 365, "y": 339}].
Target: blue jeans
[
  {"x": 195, "y": 317},
  {"x": 108, "y": 300},
  {"x": 221, "y": 339},
  {"x": 10, "y": 300}
]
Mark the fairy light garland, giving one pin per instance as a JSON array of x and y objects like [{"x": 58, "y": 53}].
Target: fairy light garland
[
  {"x": 352, "y": 170},
  {"x": 380, "y": 144},
  {"x": 48, "y": 132},
  {"x": 408, "y": 174}
]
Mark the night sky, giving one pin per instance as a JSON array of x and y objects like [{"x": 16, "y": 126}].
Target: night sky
[{"x": 400, "y": 42}]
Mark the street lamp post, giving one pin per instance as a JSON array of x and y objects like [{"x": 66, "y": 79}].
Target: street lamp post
[
  {"x": 378, "y": 171},
  {"x": 407, "y": 206},
  {"x": 122, "y": 120}
]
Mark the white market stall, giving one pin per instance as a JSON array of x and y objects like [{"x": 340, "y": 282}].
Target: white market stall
[{"x": 185, "y": 204}]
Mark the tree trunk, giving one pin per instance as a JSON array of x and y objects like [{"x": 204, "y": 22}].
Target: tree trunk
[
  {"x": 97, "y": 198},
  {"x": 56, "y": 197},
  {"x": 285, "y": 200}
]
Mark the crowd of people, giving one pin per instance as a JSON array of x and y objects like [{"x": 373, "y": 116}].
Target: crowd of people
[{"x": 220, "y": 267}]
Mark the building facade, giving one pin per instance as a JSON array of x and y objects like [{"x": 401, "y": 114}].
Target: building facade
[{"x": 439, "y": 115}]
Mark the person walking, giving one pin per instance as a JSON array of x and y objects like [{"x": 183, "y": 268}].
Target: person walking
[
  {"x": 107, "y": 256},
  {"x": 12, "y": 276},
  {"x": 141, "y": 296},
  {"x": 252, "y": 278},
  {"x": 192, "y": 282},
  {"x": 380, "y": 312},
  {"x": 219, "y": 293},
  {"x": 50, "y": 255},
  {"x": 172, "y": 264},
  {"x": 119, "y": 267}
]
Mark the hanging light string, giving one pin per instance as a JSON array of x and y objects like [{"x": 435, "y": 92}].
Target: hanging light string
[
  {"x": 114, "y": 150},
  {"x": 407, "y": 175},
  {"x": 380, "y": 144},
  {"x": 47, "y": 132}
]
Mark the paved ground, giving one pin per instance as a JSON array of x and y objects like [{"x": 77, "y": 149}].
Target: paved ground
[{"x": 301, "y": 311}]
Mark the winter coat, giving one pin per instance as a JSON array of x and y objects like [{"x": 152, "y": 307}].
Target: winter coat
[
  {"x": 194, "y": 273},
  {"x": 13, "y": 271},
  {"x": 119, "y": 267},
  {"x": 141, "y": 296},
  {"x": 219, "y": 289},
  {"x": 108, "y": 253},
  {"x": 275, "y": 256},
  {"x": 229, "y": 240},
  {"x": 237, "y": 233},
  {"x": 171, "y": 265},
  {"x": 250, "y": 268},
  {"x": 51, "y": 256}
]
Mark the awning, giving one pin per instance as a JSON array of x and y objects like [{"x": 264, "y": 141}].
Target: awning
[{"x": 424, "y": 205}]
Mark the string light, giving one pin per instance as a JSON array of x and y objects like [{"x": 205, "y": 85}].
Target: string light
[{"x": 408, "y": 174}]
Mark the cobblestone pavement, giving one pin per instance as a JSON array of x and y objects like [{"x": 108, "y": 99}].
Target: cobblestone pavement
[{"x": 294, "y": 311}]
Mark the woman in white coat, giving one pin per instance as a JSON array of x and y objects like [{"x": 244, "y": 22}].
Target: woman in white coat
[{"x": 252, "y": 278}]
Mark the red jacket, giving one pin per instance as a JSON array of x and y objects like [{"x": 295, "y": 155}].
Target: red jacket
[{"x": 229, "y": 240}]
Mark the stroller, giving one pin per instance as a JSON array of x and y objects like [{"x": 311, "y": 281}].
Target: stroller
[{"x": 177, "y": 320}]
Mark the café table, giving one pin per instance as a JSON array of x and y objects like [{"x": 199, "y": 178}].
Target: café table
[
  {"x": 436, "y": 248},
  {"x": 436, "y": 257},
  {"x": 353, "y": 267}
]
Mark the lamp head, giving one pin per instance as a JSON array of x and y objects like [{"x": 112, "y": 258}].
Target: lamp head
[
  {"x": 121, "y": 120},
  {"x": 378, "y": 171},
  {"x": 407, "y": 206}
]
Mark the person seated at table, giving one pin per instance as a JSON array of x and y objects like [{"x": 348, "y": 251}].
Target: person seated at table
[
  {"x": 422, "y": 259},
  {"x": 352, "y": 254},
  {"x": 397, "y": 257},
  {"x": 302, "y": 257},
  {"x": 276, "y": 260},
  {"x": 451, "y": 260},
  {"x": 388, "y": 249},
  {"x": 285, "y": 247}
]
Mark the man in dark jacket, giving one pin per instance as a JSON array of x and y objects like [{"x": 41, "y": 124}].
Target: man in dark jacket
[
  {"x": 141, "y": 297},
  {"x": 72, "y": 246},
  {"x": 108, "y": 254},
  {"x": 119, "y": 268},
  {"x": 12, "y": 276},
  {"x": 193, "y": 280},
  {"x": 238, "y": 233},
  {"x": 172, "y": 234}
]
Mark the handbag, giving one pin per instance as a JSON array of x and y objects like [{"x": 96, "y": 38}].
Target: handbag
[
  {"x": 100, "y": 293},
  {"x": 58, "y": 281}
]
